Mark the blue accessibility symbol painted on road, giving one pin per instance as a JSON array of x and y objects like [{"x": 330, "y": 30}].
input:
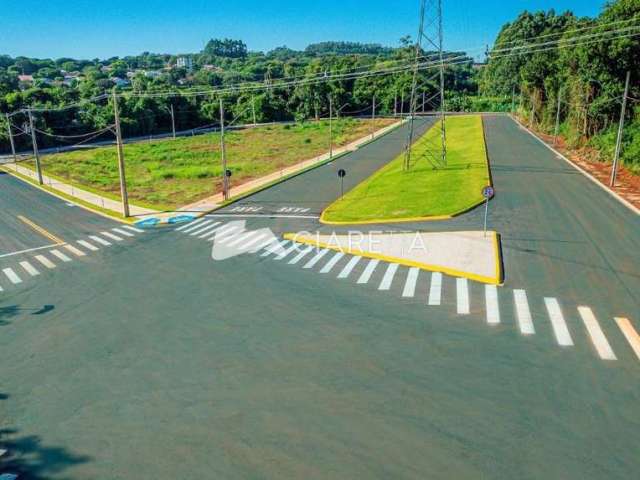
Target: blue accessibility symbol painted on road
[
  {"x": 180, "y": 219},
  {"x": 148, "y": 222}
]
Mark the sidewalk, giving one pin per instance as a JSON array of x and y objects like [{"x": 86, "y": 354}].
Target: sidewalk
[
  {"x": 85, "y": 196},
  {"x": 214, "y": 201}
]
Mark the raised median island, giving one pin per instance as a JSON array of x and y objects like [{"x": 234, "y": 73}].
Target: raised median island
[{"x": 425, "y": 191}]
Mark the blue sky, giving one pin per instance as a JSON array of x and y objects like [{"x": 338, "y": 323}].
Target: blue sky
[{"x": 98, "y": 28}]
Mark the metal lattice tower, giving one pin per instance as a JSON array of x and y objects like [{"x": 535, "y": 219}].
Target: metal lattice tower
[{"x": 429, "y": 33}]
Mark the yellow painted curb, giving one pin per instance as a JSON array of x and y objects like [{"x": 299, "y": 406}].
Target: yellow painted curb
[
  {"x": 497, "y": 280},
  {"x": 428, "y": 218}
]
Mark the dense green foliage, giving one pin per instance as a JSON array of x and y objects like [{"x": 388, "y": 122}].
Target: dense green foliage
[{"x": 588, "y": 75}]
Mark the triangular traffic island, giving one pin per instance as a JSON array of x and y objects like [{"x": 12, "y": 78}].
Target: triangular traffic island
[{"x": 472, "y": 255}]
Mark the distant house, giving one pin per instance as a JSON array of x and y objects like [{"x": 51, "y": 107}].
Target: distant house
[
  {"x": 185, "y": 62},
  {"x": 25, "y": 78},
  {"x": 119, "y": 82},
  {"x": 152, "y": 74},
  {"x": 71, "y": 78},
  {"x": 211, "y": 68}
]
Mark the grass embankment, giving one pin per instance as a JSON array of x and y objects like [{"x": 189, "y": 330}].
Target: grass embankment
[
  {"x": 392, "y": 194},
  {"x": 167, "y": 173}
]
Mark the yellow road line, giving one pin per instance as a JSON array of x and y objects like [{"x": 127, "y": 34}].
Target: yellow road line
[
  {"x": 630, "y": 334},
  {"x": 41, "y": 230}
]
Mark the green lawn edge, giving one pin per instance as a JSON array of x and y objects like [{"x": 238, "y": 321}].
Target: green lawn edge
[{"x": 343, "y": 212}]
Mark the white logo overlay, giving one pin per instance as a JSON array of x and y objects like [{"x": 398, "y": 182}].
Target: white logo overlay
[{"x": 234, "y": 239}]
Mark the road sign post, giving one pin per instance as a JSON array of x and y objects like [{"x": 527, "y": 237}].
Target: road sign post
[
  {"x": 341, "y": 174},
  {"x": 487, "y": 193}
]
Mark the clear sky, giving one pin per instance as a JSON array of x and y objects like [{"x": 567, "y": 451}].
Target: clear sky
[{"x": 102, "y": 29}]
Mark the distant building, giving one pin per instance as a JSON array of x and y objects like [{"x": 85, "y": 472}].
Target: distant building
[
  {"x": 152, "y": 74},
  {"x": 185, "y": 62},
  {"x": 25, "y": 78},
  {"x": 119, "y": 82}
]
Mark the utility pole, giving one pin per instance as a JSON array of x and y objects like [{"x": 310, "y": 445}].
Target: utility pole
[
  {"x": 373, "y": 118},
  {"x": 121, "y": 169},
  {"x": 13, "y": 145},
  {"x": 424, "y": 100},
  {"x": 395, "y": 104},
  {"x": 253, "y": 110},
  {"x": 34, "y": 142},
  {"x": 555, "y": 136},
  {"x": 616, "y": 157},
  {"x": 513, "y": 99},
  {"x": 533, "y": 110},
  {"x": 330, "y": 128},
  {"x": 402, "y": 104},
  {"x": 173, "y": 122},
  {"x": 225, "y": 179}
]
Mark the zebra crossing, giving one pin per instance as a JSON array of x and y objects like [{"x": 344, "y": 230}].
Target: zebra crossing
[
  {"x": 48, "y": 260},
  {"x": 495, "y": 300}
]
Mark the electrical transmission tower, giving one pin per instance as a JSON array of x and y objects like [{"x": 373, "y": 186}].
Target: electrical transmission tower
[{"x": 429, "y": 33}]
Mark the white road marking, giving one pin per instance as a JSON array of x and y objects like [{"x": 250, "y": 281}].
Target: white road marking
[
  {"x": 230, "y": 235},
  {"x": 558, "y": 323},
  {"x": 28, "y": 250},
  {"x": 268, "y": 242},
  {"x": 273, "y": 249},
  {"x": 11, "y": 275},
  {"x": 346, "y": 271},
  {"x": 492, "y": 304},
  {"x": 111, "y": 236},
  {"x": 217, "y": 232},
  {"x": 60, "y": 255},
  {"x": 208, "y": 229},
  {"x": 462, "y": 294},
  {"x": 630, "y": 333},
  {"x": 435, "y": 291},
  {"x": 301, "y": 255},
  {"x": 205, "y": 227},
  {"x": 88, "y": 246},
  {"x": 368, "y": 271},
  {"x": 316, "y": 258},
  {"x": 251, "y": 242},
  {"x": 133, "y": 229},
  {"x": 332, "y": 263},
  {"x": 190, "y": 224},
  {"x": 75, "y": 251},
  {"x": 385, "y": 284},
  {"x": 30, "y": 269},
  {"x": 211, "y": 233},
  {"x": 293, "y": 247},
  {"x": 241, "y": 237},
  {"x": 597, "y": 335},
  {"x": 99, "y": 240},
  {"x": 410, "y": 284},
  {"x": 194, "y": 228},
  {"x": 45, "y": 261},
  {"x": 122, "y": 232},
  {"x": 523, "y": 313}
]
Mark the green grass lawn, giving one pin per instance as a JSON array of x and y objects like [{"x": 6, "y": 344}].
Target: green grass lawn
[
  {"x": 168, "y": 173},
  {"x": 392, "y": 194}
]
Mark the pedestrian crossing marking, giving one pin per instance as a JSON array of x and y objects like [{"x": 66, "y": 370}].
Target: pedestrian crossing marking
[
  {"x": 630, "y": 334},
  {"x": 560, "y": 329},
  {"x": 75, "y": 251},
  {"x": 12, "y": 276},
  {"x": 523, "y": 313},
  {"x": 435, "y": 291},
  {"x": 387, "y": 280},
  {"x": 597, "y": 335},
  {"x": 30, "y": 269},
  {"x": 492, "y": 305},
  {"x": 60, "y": 255},
  {"x": 111, "y": 236},
  {"x": 99, "y": 240},
  {"x": 332, "y": 263},
  {"x": 122, "y": 232},
  {"x": 346, "y": 271},
  {"x": 462, "y": 296},
  {"x": 88, "y": 245},
  {"x": 45, "y": 261},
  {"x": 318, "y": 256},
  {"x": 368, "y": 271},
  {"x": 410, "y": 284}
]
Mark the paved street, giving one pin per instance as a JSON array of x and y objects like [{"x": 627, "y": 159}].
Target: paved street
[{"x": 147, "y": 359}]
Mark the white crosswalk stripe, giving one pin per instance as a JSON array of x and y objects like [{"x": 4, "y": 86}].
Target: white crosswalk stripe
[
  {"x": 523, "y": 313},
  {"x": 206, "y": 230},
  {"x": 218, "y": 232},
  {"x": 462, "y": 296},
  {"x": 597, "y": 335},
  {"x": 60, "y": 255},
  {"x": 195, "y": 228},
  {"x": 492, "y": 304},
  {"x": 212, "y": 232},
  {"x": 435, "y": 290},
  {"x": 560, "y": 329},
  {"x": 281, "y": 246},
  {"x": 252, "y": 241},
  {"x": 190, "y": 224},
  {"x": 316, "y": 258},
  {"x": 387, "y": 280},
  {"x": 208, "y": 225},
  {"x": 111, "y": 236},
  {"x": 346, "y": 271},
  {"x": 99, "y": 240},
  {"x": 630, "y": 333},
  {"x": 30, "y": 269},
  {"x": 12, "y": 276},
  {"x": 294, "y": 246},
  {"x": 75, "y": 251},
  {"x": 133, "y": 229},
  {"x": 300, "y": 255},
  {"x": 88, "y": 245},
  {"x": 236, "y": 238},
  {"x": 332, "y": 263},
  {"x": 226, "y": 235},
  {"x": 45, "y": 261},
  {"x": 266, "y": 243},
  {"x": 410, "y": 284},
  {"x": 122, "y": 232},
  {"x": 368, "y": 271}
]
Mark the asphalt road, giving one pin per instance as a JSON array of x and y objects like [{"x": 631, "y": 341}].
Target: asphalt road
[{"x": 153, "y": 361}]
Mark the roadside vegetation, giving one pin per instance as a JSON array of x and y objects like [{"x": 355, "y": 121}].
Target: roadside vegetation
[
  {"x": 425, "y": 190},
  {"x": 168, "y": 173}
]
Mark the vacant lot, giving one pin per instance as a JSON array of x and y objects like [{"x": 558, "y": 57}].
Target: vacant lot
[
  {"x": 170, "y": 173},
  {"x": 425, "y": 190}
]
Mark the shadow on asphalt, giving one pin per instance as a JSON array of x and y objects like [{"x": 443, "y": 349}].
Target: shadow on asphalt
[
  {"x": 28, "y": 458},
  {"x": 6, "y": 313}
]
